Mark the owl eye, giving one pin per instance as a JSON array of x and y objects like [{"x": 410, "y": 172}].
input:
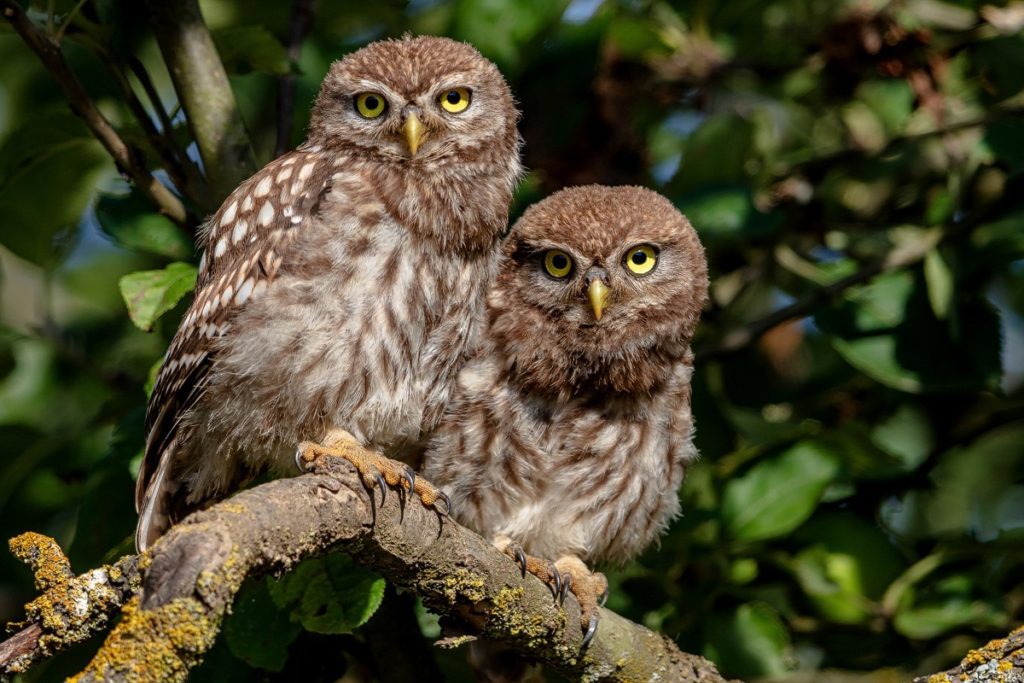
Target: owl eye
[
  {"x": 455, "y": 100},
  {"x": 557, "y": 263},
  {"x": 370, "y": 105},
  {"x": 641, "y": 260}
]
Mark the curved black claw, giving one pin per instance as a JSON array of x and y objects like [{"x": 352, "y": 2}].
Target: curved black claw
[
  {"x": 591, "y": 630},
  {"x": 409, "y": 477},
  {"x": 603, "y": 598},
  {"x": 298, "y": 460},
  {"x": 521, "y": 560},
  {"x": 566, "y": 587},
  {"x": 557, "y": 578},
  {"x": 447, "y": 503},
  {"x": 383, "y": 488}
]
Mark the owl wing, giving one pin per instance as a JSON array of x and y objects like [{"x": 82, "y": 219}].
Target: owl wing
[{"x": 245, "y": 241}]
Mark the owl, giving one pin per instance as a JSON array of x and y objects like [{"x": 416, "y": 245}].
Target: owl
[
  {"x": 341, "y": 286},
  {"x": 569, "y": 431}
]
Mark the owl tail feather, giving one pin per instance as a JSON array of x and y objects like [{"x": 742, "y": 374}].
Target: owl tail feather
[{"x": 155, "y": 512}]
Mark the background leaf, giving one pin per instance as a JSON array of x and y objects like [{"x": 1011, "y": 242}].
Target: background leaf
[
  {"x": 150, "y": 294},
  {"x": 777, "y": 494},
  {"x": 329, "y": 595}
]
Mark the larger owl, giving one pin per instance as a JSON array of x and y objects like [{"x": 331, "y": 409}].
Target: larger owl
[
  {"x": 340, "y": 285},
  {"x": 569, "y": 432}
]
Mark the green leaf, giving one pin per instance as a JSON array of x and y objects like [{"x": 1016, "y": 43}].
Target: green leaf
[
  {"x": 718, "y": 153},
  {"x": 151, "y": 293},
  {"x": 329, "y": 595},
  {"x": 49, "y": 168},
  {"x": 257, "y": 632},
  {"x": 846, "y": 566},
  {"x": 940, "y": 283},
  {"x": 888, "y": 331},
  {"x": 520, "y": 20},
  {"x": 245, "y": 49},
  {"x": 905, "y": 435},
  {"x": 974, "y": 495},
  {"x": 776, "y": 495},
  {"x": 953, "y": 602},
  {"x": 891, "y": 100},
  {"x": 749, "y": 642},
  {"x": 133, "y": 223}
]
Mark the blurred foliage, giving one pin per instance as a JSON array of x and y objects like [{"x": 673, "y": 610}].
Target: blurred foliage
[{"x": 860, "y": 501}]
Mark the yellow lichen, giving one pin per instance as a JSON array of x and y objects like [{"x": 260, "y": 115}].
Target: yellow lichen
[
  {"x": 161, "y": 644},
  {"x": 44, "y": 556},
  {"x": 71, "y": 608},
  {"x": 460, "y": 586},
  {"x": 509, "y": 616}
]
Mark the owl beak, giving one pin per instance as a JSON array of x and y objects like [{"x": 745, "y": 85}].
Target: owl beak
[
  {"x": 597, "y": 293},
  {"x": 414, "y": 132}
]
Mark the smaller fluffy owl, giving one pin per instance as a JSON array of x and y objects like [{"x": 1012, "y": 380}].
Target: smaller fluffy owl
[{"x": 569, "y": 432}]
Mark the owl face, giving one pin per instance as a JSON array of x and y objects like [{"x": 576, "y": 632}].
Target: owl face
[
  {"x": 599, "y": 285},
  {"x": 415, "y": 100}
]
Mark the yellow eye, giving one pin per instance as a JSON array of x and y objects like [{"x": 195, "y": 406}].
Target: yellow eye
[
  {"x": 455, "y": 100},
  {"x": 557, "y": 263},
  {"x": 641, "y": 260},
  {"x": 370, "y": 105}
]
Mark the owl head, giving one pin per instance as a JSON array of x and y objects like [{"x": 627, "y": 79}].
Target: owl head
[
  {"x": 600, "y": 288},
  {"x": 415, "y": 101}
]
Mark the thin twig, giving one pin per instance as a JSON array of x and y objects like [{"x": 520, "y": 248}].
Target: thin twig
[
  {"x": 195, "y": 182},
  {"x": 168, "y": 156},
  {"x": 738, "y": 339},
  {"x": 50, "y": 55},
  {"x": 301, "y": 23}
]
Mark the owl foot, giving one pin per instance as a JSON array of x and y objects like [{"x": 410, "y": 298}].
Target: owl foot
[
  {"x": 568, "y": 575},
  {"x": 375, "y": 470},
  {"x": 590, "y": 589}
]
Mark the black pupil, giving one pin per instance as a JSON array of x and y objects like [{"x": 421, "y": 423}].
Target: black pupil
[
  {"x": 639, "y": 258},
  {"x": 371, "y": 102},
  {"x": 559, "y": 262},
  {"x": 453, "y": 97}
]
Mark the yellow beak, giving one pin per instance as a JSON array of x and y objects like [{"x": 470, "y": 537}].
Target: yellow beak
[
  {"x": 414, "y": 133},
  {"x": 598, "y": 293}
]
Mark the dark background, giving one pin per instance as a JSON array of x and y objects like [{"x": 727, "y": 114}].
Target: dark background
[{"x": 858, "y": 511}]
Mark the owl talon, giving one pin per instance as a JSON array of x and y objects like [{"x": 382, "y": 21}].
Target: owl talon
[
  {"x": 603, "y": 598},
  {"x": 591, "y": 630},
  {"x": 447, "y": 504},
  {"x": 556, "y": 580},
  {"x": 566, "y": 587},
  {"x": 521, "y": 560},
  {"x": 383, "y": 484},
  {"x": 409, "y": 477}
]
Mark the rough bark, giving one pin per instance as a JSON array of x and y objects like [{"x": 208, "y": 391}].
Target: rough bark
[
  {"x": 193, "y": 573},
  {"x": 204, "y": 92}
]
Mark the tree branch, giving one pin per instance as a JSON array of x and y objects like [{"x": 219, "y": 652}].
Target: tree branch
[
  {"x": 301, "y": 22},
  {"x": 71, "y": 608},
  {"x": 50, "y": 55},
  {"x": 204, "y": 92},
  {"x": 192, "y": 574},
  {"x": 999, "y": 660},
  {"x": 740, "y": 338}
]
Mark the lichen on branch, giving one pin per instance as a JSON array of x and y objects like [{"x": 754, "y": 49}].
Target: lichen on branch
[{"x": 70, "y": 609}]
